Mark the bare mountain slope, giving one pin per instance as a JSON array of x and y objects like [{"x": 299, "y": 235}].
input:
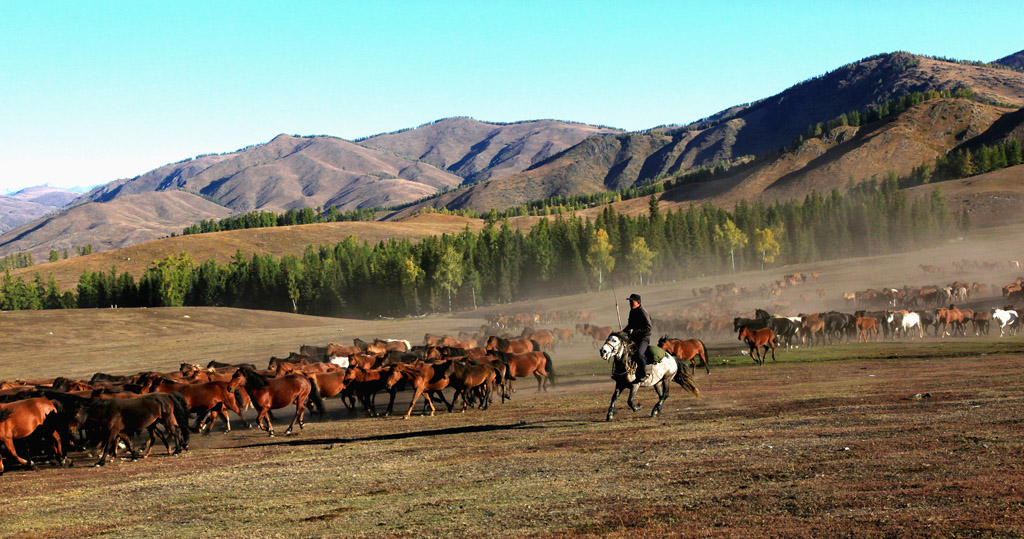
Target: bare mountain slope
[
  {"x": 757, "y": 130},
  {"x": 294, "y": 172},
  {"x": 124, "y": 221},
  {"x": 32, "y": 203},
  {"x": 1015, "y": 60},
  {"x": 478, "y": 151}
]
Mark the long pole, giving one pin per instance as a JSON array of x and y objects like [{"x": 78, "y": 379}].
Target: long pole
[{"x": 619, "y": 318}]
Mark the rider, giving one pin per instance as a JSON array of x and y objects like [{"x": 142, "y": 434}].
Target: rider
[{"x": 639, "y": 330}]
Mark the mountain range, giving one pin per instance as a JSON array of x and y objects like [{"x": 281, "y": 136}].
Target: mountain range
[{"x": 461, "y": 163}]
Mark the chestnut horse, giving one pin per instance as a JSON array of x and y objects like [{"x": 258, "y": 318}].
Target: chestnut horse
[
  {"x": 20, "y": 419},
  {"x": 203, "y": 399},
  {"x": 686, "y": 351},
  {"x": 426, "y": 379},
  {"x": 764, "y": 337},
  {"x": 511, "y": 346},
  {"x": 466, "y": 376},
  {"x": 536, "y": 363},
  {"x": 364, "y": 383},
  {"x": 271, "y": 393}
]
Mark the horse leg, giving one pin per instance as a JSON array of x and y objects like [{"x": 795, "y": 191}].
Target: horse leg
[
  {"x": 611, "y": 405},
  {"x": 415, "y": 396},
  {"x": 299, "y": 406},
  {"x": 9, "y": 444},
  {"x": 632, "y": 393},
  {"x": 773, "y": 351}
]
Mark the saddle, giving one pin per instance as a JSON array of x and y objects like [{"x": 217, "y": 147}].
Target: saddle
[{"x": 654, "y": 354}]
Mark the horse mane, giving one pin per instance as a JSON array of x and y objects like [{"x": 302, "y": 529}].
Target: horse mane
[
  {"x": 253, "y": 379},
  {"x": 662, "y": 340}
]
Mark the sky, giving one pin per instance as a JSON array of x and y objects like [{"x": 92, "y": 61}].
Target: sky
[{"x": 91, "y": 92}]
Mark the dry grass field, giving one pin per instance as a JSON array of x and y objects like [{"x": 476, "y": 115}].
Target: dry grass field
[{"x": 907, "y": 439}]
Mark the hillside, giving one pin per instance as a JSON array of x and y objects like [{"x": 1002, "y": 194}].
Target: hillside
[
  {"x": 30, "y": 204},
  {"x": 479, "y": 151},
  {"x": 757, "y": 130},
  {"x": 121, "y": 222},
  {"x": 292, "y": 172},
  {"x": 222, "y": 246},
  {"x": 1015, "y": 61}
]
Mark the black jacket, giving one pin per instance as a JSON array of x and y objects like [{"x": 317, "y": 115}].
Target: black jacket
[{"x": 639, "y": 325}]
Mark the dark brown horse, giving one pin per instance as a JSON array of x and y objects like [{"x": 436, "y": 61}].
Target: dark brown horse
[
  {"x": 364, "y": 383},
  {"x": 20, "y": 419},
  {"x": 122, "y": 418},
  {"x": 272, "y": 393},
  {"x": 762, "y": 338},
  {"x": 686, "y": 351}
]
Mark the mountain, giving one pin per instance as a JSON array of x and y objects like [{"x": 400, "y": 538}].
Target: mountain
[
  {"x": 760, "y": 129},
  {"x": 1014, "y": 61},
  {"x": 30, "y": 204},
  {"x": 478, "y": 151},
  {"x": 292, "y": 172},
  {"x": 128, "y": 220}
]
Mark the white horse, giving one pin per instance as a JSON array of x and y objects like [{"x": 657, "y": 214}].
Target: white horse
[
  {"x": 618, "y": 350},
  {"x": 905, "y": 323},
  {"x": 1005, "y": 318}
]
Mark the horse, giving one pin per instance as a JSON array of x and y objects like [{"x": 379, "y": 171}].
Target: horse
[
  {"x": 426, "y": 379},
  {"x": 1005, "y": 318},
  {"x": 270, "y": 393},
  {"x": 536, "y": 363},
  {"x": 686, "y": 351},
  {"x": 953, "y": 316},
  {"x": 20, "y": 419},
  {"x": 122, "y": 418},
  {"x": 904, "y": 322},
  {"x": 866, "y": 327},
  {"x": 511, "y": 346},
  {"x": 763, "y": 337},
  {"x": 618, "y": 349},
  {"x": 466, "y": 376},
  {"x": 204, "y": 398},
  {"x": 364, "y": 383}
]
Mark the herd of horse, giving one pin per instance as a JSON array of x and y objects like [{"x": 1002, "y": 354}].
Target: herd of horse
[{"x": 51, "y": 417}]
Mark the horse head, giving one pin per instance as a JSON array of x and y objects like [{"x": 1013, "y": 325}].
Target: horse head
[{"x": 615, "y": 347}]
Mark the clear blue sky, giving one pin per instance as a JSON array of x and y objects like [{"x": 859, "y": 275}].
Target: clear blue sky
[{"x": 95, "y": 91}]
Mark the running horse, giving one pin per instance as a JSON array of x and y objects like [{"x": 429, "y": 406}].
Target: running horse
[
  {"x": 686, "y": 351},
  {"x": 271, "y": 393},
  {"x": 762, "y": 338},
  {"x": 22, "y": 418},
  {"x": 618, "y": 349}
]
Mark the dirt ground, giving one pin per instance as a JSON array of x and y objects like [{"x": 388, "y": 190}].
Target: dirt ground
[{"x": 901, "y": 439}]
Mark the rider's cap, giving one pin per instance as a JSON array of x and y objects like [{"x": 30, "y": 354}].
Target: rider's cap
[{"x": 634, "y": 297}]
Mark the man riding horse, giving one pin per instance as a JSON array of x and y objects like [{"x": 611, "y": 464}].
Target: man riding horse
[{"x": 638, "y": 327}]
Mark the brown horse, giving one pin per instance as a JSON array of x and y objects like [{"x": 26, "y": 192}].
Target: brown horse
[
  {"x": 521, "y": 345},
  {"x": 122, "y": 418},
  {"x": 364, "y": 383},
  {"x": 535, "y": 363},
  {"x": 20, "y": 419},
  {"x": 763, "y": 337},
  {"x": 686, "y": 351},
  {"x": 425, "y": 378},
  {"x": 466, "y": 376},
  {"x": 866, "y": 326},
  {"x": 952, "y": 315},
  {"x": 271, "y": 393},
  {"x": 204, "y": 399}
]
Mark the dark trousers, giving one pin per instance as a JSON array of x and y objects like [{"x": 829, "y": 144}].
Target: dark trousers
[{"x": 640, "y": 356}]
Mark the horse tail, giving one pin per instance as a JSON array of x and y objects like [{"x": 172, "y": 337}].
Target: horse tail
[
  {"x": 705, "y": 355},
  {"x": 684, "y": 379},
  {"x": 549, "y": 368},
  {"x": 314, "y": 395},
  {"x": 181, "y": 416},
  {"x": 536, "y": 345}
]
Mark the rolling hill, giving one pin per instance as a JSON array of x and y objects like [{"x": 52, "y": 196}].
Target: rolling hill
[{"x": 479, "y": 151}]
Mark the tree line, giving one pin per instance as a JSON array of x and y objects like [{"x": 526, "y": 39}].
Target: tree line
[{"x": 559, "y": 255}]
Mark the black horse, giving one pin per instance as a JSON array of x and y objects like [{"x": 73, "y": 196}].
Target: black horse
[{"x": 618, "y": 349}]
